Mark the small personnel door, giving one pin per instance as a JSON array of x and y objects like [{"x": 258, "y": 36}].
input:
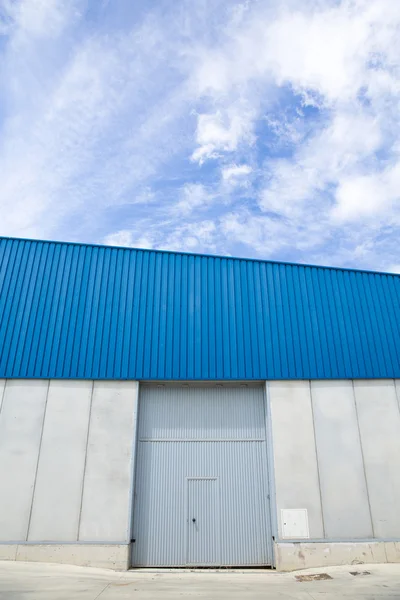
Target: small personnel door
[{"x": 203, "y": 521}]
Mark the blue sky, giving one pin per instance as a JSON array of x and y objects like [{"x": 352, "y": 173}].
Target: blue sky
[{"x": 253, "y": 128}]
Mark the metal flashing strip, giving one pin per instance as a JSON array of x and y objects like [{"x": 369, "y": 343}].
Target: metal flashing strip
[
  {"x": 163, "y": 440},
  {"x": 63, "y": 543},
  {"x": 335, "y": 540}
]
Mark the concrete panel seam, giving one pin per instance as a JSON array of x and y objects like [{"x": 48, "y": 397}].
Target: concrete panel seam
[
  {"x": 2, "y": 395},
  {"x": 397, "y": 395},
  {"x": 105, "y": 588},
  {"x": 85, "y": 461},
  {"x": 67, "y": 543},
  {"x": 133, "y": 462},
  {"x": 37, "y": 462},
  {"x": 385, "y": 550},
  {"x": 363, "y": 460},
  {"x": 273, "y": 505},
  {"x": 316, "y": 458}
]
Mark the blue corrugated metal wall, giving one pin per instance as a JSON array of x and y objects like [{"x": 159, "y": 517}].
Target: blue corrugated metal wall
[{"x": 80, "y": 311}]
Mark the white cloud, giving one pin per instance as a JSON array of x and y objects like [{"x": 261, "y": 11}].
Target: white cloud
[
  {"x": 192, "y": 196},
  {"x": 136, "y": 237},
  {"x": 84, "y": 144},
  {"x": 317, "y": 47},
  {"x": 235, "y": 171},
  {"x": 217, "y": 134},
  {"x": 191, "y": 237},
  {"x": 340, "y": 148},
  {"x": 267, "y": 235},
  {"x": 375, "y": 196},
  {"x": 327, "y": 50},
  {"x": 119, "y": 238},
  {"x": 36, "y": 18},
  {"x": 344, "y": 58}
]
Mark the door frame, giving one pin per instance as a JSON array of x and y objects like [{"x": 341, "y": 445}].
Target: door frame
[
  {"x": 272, "y": 505},
  {"x": 271, "y": 501}
]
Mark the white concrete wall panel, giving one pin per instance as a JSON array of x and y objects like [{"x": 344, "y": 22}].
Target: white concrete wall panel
[
  {"x": 21, "y": 421},
  {"x": 344, "y": 493},
  {"x": 58, "y": 490},
  {"x": 379, "y": 421},
  {"x": 295, "y": 460},
  {"x": 106, "y": 505}
]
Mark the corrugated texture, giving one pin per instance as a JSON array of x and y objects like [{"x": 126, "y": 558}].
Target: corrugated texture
[
  {"x": 77, "y": 311},
  {"x": 201, "y": 413},
  {"x": 217, "y": 476}
]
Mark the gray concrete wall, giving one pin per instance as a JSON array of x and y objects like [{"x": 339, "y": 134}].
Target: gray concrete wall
[
  {"x": 66, "y": 460},
  {"x": 295, "y": 458},
  {"x": 336, "y": 448}
]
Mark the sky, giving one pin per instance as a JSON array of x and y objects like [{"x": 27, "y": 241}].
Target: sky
[{"x": 265, "y": 129}]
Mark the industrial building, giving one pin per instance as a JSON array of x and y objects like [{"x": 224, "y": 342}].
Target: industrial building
[{"x": 168, "y": 409}]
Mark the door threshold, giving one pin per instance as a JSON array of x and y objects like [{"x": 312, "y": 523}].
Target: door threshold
[{"x": 230, "y": 569}]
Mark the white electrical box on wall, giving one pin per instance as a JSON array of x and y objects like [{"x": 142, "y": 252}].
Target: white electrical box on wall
[{"x": 294, "y": 523}]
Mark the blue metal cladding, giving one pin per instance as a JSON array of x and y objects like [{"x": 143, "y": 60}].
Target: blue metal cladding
[{"x": 81, "y": 311}]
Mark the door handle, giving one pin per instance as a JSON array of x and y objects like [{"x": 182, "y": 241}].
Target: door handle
[{"x": 194, "y": 520}]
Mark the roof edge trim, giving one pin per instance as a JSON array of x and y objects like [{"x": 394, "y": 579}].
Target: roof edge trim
[{"x": 202, "y": 255}]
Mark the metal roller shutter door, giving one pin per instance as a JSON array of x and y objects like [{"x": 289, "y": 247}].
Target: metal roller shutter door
[{"x": 201, "y": 491}]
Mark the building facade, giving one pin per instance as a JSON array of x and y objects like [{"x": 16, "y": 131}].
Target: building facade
[{"x": 166, "y": 409}]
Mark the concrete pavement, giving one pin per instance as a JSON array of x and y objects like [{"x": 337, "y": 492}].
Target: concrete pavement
[{"x": 32, "y": 581}]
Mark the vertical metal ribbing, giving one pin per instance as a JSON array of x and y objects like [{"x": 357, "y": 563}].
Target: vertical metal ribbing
[{"x": 257, "y": 319}]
